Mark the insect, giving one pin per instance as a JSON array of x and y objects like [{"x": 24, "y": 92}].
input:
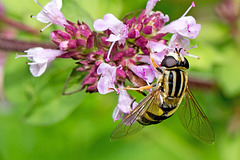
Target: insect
[{"x": 165, "y": 99}]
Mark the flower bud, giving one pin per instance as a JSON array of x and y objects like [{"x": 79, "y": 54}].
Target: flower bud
[
  {"x": 72, "y": 44},
  {"x": 81, "y": 42},
  {"x": 70, "y": 29},
  {"x": 130, "y": 52},
  {"x": 132, "y": 33},
  {"x": 147, "y": 30},
  {"x": 59, "y": 36},
  {"x": 141, "y": 41},
  {"x": 63, "y": 45},
  {"x": 92, "y": 88},
  {"x": 118, "y": 56},
  {"x": 85, "y": 30},
  {"x": 90, "y": 42}
]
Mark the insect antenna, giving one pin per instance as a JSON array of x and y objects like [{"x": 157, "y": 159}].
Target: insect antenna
[{"x": 178, "y": 50}]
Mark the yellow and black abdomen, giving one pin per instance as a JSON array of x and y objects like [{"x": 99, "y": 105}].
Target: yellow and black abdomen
[{"x": 174, "y": 83}]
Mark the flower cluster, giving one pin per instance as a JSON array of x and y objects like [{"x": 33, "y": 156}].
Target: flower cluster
[{"x": 117, "y": 52}]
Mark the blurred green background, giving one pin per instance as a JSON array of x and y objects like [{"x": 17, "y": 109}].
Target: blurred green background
[{"x": 37, "y": 122}]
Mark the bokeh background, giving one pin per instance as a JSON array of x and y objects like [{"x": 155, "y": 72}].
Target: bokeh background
[{"x": 37, "y": 122}]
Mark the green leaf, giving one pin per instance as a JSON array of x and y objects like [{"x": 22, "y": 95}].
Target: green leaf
[
  {"x": 74, "y": 12},
  {"x": 47, "y": 105},
  {"x": 40, "y": 98},
  {"x": 53, "y": 111},
  {"x": 74, "y": 82}
]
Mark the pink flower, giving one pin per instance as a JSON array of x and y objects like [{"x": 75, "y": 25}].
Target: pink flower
[
  {"x": 123, "y": 107},
  {"x": 116, "y": 26},
  {"x": 40, "y": 59},
  {"x": 51, "y": 13},
  {"x": 185, "y": 26},
  {"x": 159, "y": 51},
  {"x": 178, "y": 41},
  {"x": 156, "y": 46},
  {"x": 143, "y": 71},
  {"x": 150, "y": 5},
  {"x": 107, "y": 81}
]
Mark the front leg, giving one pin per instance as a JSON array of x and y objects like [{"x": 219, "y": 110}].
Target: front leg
[
  {"x": 158, "y": 83},
  {"x": 140, "y": 88}
]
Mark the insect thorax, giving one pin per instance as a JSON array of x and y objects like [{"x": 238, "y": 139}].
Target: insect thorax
[{"x": 174, "y": 82}]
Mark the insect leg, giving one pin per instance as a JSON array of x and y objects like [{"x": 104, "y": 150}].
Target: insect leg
[
  {"x": 154, "y": 64},
  {"x": 140, "y": 88}
]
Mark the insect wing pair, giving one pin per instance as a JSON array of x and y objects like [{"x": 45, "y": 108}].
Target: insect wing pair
[{"x": 190, "y": 114}]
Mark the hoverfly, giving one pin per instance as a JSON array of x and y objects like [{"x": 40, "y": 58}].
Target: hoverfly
[{"x": 165, "y": 99}]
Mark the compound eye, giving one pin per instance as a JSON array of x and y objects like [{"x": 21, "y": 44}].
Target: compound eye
[
  {"x": 169, "y": 62},
  {"x": 186, "y": 64}
]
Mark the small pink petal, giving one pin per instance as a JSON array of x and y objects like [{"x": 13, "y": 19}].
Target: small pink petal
[
  {"x": 156, "y": 46},
  {"x": 185, "y": 26},
  {"x": 113, "y": 38},
  {"x": 150, "y": 6},
  {"x": 100, "y": 25},
  {"x": 40, "y": 58},
  {"x": 107, "y": 80},
  {"x": 51, "y": 13},
  {"x": 143, "y": 71},
  {"x": 38, "y": 69}
]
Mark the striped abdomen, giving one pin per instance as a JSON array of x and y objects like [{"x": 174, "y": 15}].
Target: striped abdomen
[{"x": 173, "y": 88}]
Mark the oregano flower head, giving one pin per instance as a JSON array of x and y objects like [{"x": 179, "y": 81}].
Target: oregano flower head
[{"x": 115, "y": 53}]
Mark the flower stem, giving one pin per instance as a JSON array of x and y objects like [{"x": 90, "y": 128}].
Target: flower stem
[
  {"x": 207, "y": 84},
  {"x": 20, "y": 46},
  {"x": 18, "y": 25}
]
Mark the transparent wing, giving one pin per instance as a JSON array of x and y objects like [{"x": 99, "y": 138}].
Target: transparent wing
[
  {"x": 194, "y": 120},
  {"x": 129, "y": 124}
]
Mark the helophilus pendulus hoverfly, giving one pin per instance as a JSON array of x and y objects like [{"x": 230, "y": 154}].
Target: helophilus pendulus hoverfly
[{"x": 165, "y": 99}]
